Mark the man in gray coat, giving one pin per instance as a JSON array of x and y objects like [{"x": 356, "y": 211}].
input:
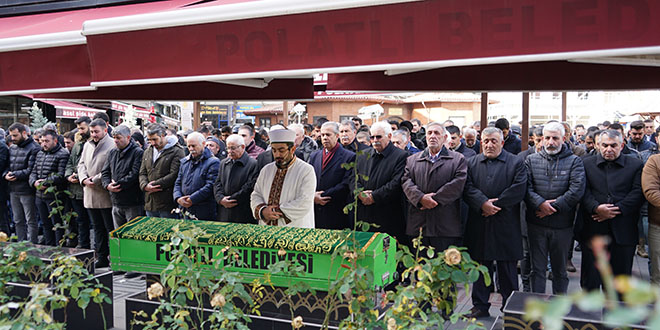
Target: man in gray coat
[
  {"x": 556, "y": 183},
  {"x": 433, "y": 182}
]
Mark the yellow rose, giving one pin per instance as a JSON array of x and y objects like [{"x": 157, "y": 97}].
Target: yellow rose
[
  {"x": 297, "y": 322},
  {"x": 391, "y": 324},
  {"x": 350, "y": 255},
  {"x": 452, "y": 256},
  {"x": 218, "y": 300},
  {"x": 3, "y": 237},
  {"x": 22, "y": 256},
  {"x": 155, "y": 290},
  {"x": 361, "y": 299},
  {"x": 622, "y": 284}
]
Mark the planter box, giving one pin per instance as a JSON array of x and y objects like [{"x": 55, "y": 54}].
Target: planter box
[
  {"x": 47, "y": 254},
  {"x": 73, "y": 315},
  {"x": 140, "y": 302},
  {"x": 575, "y": 319}
]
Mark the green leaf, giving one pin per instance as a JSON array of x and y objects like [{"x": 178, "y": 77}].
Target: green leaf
[
  {"x": 459, "y": 277},
  {"x": 344, "y": 288},
  {"x": 626, "y": 316},
  {"x": 592, "y": 301}
]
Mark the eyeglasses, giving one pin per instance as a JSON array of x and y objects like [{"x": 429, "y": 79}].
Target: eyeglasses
[{"x": 376, "y": 137}]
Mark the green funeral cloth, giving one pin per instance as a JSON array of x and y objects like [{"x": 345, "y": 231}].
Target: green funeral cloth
[{"x": 322, "y": 241}]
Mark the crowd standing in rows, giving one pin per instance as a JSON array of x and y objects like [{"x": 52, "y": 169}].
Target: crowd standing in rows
[{"x": 464, "y": 186}]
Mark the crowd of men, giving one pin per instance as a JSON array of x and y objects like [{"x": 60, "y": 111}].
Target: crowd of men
[{"x": 464, "y": 186}]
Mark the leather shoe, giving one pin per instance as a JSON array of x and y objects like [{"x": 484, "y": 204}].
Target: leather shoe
[
  {"x": 570, "y": 267},
  {"x": 477, "y": 313}
]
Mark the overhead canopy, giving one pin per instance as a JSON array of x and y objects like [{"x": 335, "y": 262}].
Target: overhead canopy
[
  {"x": 47, "y": 52},
  {"x": 65, "y": 109},
  {"x": 186, "y": 52},
  {"x": 273, "y": 39}
]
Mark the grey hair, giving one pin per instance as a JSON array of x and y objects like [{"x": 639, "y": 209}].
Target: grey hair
[
  {"x": 554, "y": 127},
  {"x": 491, "y": 131},
  {"x": 157, "y": 129},
  {"x": 235, "y": 138},
  {"x": 436, "y": 123},
  {"x": 298, "y": 128},
  {"x": 401, "y": 132},
  {"x": 385, "y": 126},
  {"x": 612, "y": 134},
  {"x": 196, "y": 136},
  {"x": 122, "y": 130},
  {"x": 350, "y": 124},
  {"x": 333, "y": 124},
  {"x": 470, "y": 131}
]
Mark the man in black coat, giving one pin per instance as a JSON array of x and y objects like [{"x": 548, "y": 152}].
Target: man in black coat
[
  {"x": 496, "y": 184},
  {"x": 121, "y": 177},
  {"x": 382, "y": 201},
  {"x": 611, "y": 207},
  {"x": 48, "y": 171},
  {"x": 332, "y": 181},
  {"x": 512, "y": 143},
  {"x": 22, "y": 155},
  {"x": 554, "y": 189},
  {"x": 347, "y": 133},
  {"x": 457, "y": 143},
  {"x": 236, "y": 177}
]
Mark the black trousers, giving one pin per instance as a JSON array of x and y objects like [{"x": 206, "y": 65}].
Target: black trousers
[
  {"x": 621, "y": 261},
  {"x": 507, "y": 278},
  {"x": 438, "y": 243},
  {"x": 102, "y": 219}
]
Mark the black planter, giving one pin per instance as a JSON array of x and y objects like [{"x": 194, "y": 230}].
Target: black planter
[
  {"x": 575, "y": 319},
  {"x": 73, "y": 315}
]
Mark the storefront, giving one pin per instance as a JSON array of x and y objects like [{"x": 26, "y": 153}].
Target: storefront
[
  {"x": 67, "y": 112},
  {"x": 214, "y": 114}
]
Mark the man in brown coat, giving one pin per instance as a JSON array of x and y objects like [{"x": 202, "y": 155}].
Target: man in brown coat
[
  {"x": 158, "y": 172},
  {"x": 433, "y": 182},
  {"x": 651, "y": 188},
  {"x": 95, "y": 198}
]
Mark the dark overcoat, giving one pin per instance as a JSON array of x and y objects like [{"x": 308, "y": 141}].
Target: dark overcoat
[
  {"x": 384, "y": 173},
  {"x": 446, "y": 178},
  {"x": 496, "y": 237},
  {"x": 236, "y": 179},
  {"x": 334, "y": 181},
  {"x": 615, "y": 182}
]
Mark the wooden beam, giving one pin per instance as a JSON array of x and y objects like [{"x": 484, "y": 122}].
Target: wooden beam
[
  {"x": 286, "y": 107},
  {"x": 525, "y": 121},
  {"x": 484, "y": 114},
  {"x": 563, "y": 106},
  {"x": 196, "y": 115}
]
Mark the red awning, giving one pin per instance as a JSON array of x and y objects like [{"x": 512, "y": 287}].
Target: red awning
[
  {"x": 296, "y": 38},
  {"x": 47, "y": 52},
  {"x": 66, "y": 109}
]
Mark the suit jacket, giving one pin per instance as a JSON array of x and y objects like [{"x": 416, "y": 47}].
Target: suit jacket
[
  {"x": 334, "y": 181},
  {"x": 236, "y": 180},
  {"x": 384, "y": 173},
  {"x": 615, "y": 182}
]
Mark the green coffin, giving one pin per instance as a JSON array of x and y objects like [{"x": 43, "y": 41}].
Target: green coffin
[{"x": 136, "y": 246}]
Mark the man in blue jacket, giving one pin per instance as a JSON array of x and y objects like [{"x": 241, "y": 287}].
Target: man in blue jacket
[
  {"x": 193, "y": 189},
  {"x": 332, "y": 180}
]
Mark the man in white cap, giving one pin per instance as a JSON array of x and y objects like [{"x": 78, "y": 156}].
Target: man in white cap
[{"x": 284, "y": 192}]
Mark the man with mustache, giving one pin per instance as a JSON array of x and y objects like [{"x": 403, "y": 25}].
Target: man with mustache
[
  {"x": 495, "y": 186},
  {"x": 347, "y": 137},
  {"x": 382, "y": 201},
  {"x": 611, "y": 207},
  {"x": 554, "y": 189},
  {"x": 284, "y": 192}
]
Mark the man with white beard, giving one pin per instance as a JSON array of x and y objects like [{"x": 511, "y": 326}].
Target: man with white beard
[{"x": 556, "y": 183}]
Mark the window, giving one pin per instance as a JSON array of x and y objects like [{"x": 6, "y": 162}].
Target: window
[{"x": 264, "y": 122}]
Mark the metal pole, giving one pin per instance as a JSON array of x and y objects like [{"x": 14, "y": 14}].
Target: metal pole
[{"x": 525, "y": 121}]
